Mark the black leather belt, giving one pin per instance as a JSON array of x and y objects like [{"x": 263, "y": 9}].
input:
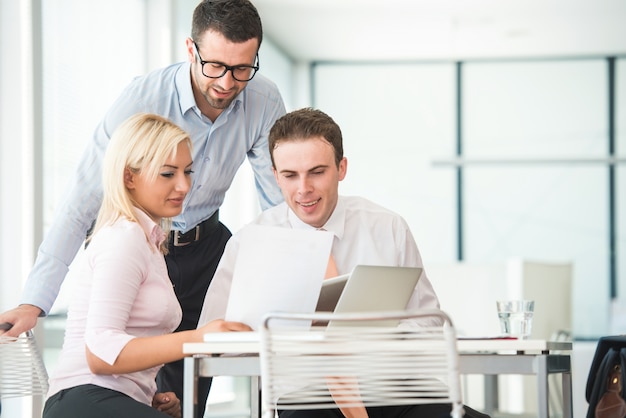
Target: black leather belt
[{"x": 200, "y": 231}]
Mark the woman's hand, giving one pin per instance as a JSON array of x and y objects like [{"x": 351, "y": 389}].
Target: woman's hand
[
  {"x": 167, "y": 402},
  {"x": 219, "y": 325}
]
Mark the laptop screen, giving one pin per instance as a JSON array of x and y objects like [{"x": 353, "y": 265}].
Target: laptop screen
[{"x": 377, "y": 288}]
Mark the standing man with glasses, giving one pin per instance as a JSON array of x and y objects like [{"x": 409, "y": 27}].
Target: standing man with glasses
[{"x": 227, "y": 109}]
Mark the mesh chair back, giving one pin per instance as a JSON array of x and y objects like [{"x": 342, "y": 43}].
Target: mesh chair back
[
  {"x": 312, "y": 368},
  {"x": 22, "y": 370}
]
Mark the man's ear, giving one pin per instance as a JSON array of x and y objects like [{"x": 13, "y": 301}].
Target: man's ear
[
  {"x": 343, "y": 168},
  {"x": 275, "y": 175},
  {"x": 191, "y": 56},
  {"x": 129, "y": 179}
]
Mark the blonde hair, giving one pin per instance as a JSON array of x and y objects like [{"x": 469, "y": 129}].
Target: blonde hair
[{"x": 142, "y": 144}]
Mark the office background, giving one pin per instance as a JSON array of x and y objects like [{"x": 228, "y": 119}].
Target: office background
[{"x": 492, "y": 138}]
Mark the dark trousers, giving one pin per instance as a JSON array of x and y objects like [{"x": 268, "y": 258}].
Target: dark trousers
[
  {"x": 409, "y": 411},
  {"x": 96, "y": 402},
  {"x": 191, "y": 268}
]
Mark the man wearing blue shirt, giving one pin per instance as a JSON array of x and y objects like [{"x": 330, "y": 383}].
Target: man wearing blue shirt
[{"x": 228, "y": 109}]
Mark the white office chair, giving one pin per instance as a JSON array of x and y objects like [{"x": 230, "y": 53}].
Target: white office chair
[
  {"x": 22, "y": 370},
  {"x": 301, "y": 365}
]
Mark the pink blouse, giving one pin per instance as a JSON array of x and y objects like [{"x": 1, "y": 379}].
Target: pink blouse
[{"x": 123, "y": 291}]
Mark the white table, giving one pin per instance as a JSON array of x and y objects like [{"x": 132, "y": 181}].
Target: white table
[{"x": 488, "y": 357}]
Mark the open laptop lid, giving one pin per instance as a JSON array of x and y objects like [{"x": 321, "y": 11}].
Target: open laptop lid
[
  {"x": 377, "y": 288},
  {"x": 330, "y": 293}
]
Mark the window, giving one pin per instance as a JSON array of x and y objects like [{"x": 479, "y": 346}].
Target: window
[
  {"x": 395, "y": 120},
  {"x": 533, "y": 111},
  {"x": 534, "y": 161},
  {"x": 85, "y": 66}
]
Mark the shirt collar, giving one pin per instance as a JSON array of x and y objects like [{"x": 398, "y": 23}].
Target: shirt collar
[
  {"x": 153, "y": 231},
  {"x": 335, "y": 224},
  {"x": 183, "y": 86},
  {"x": 185, "y": 92}
]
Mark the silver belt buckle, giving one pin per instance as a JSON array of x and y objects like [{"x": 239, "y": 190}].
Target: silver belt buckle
[{"x": 177, "y": 234}]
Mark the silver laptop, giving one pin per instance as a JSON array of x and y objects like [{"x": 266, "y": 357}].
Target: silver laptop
[{"x": 372, "y": 288}]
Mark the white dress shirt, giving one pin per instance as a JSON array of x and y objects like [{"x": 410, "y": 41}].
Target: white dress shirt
[{"x": 365, "y": 233}]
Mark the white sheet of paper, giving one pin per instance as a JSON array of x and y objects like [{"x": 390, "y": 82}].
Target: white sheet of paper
[{"x": 277, "y": 269}]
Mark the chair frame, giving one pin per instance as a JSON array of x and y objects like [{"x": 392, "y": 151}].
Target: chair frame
[
  {"x": 22, "y": 369},
  {"x": 307, "y": 367}
]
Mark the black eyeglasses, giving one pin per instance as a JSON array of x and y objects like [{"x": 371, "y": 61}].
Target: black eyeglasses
[{"x": 216, "y": 69}]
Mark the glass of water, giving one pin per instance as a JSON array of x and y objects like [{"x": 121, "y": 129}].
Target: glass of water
[{"x": 516, "y": 317}]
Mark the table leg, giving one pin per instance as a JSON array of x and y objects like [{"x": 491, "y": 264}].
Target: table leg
[
  {"x": 255, "y": 399},
  {"x": 491, "y": 393},
  {"x": 542, "y": 387},
  {"x": 190, "y": 386},
  {"x": 567, "y": 395}
]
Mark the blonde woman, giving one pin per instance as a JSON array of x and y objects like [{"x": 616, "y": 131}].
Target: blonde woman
[{"x": 120, "y": 321}]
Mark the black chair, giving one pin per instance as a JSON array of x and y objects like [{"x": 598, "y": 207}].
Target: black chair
[{"x": 606, "y": 377}]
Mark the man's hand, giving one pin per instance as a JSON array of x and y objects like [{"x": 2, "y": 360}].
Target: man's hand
[
  {"x": 167, "y": 402},
  {"x": 345, "y": 390},
  {"x": 22, "y": 319}
]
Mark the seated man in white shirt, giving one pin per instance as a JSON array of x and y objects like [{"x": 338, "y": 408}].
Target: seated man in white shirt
[{"x": 306, "y": 148}]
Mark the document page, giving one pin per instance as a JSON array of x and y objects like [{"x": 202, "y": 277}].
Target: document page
[{"x": 277, "y": 269}]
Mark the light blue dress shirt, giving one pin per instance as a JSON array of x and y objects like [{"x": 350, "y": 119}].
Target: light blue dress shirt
[{"x": 220, "y": 148}]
